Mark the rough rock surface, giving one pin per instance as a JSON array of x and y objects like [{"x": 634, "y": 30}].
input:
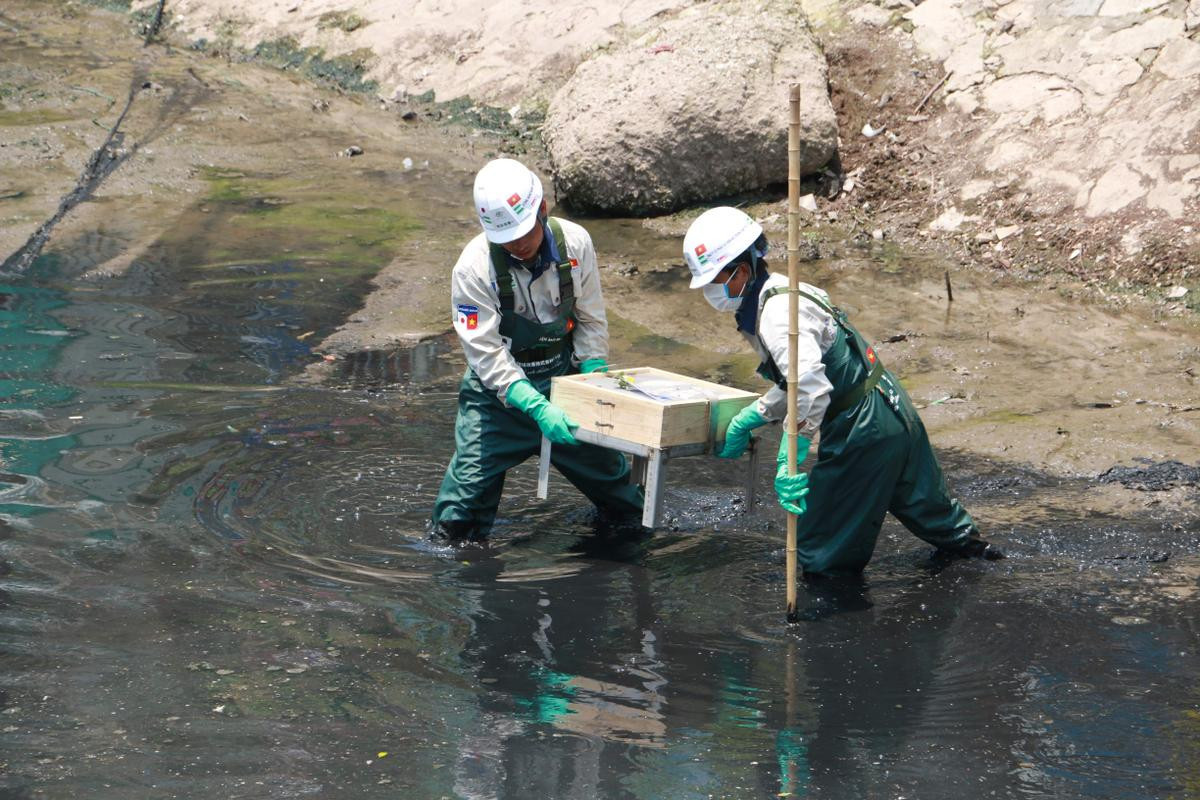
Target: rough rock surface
[
  {"x": 1100, "y": 96},
  {"x": 499, "y": 53},
  {"x": 680, "y": 115}
]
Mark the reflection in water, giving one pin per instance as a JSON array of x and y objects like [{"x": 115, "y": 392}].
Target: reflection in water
[
  {"x": 548, "y": 665},
  {"x": 423, "y": 363}
]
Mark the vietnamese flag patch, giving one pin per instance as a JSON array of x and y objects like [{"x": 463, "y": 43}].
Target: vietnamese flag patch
[
  {"x": 468, "y": 316},
  {"x": 700, "y": 251}
]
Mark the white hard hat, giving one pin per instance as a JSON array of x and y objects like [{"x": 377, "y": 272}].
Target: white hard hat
[
  {"x": 717, "y": 237},
  {"x": 507, "y": 198}
]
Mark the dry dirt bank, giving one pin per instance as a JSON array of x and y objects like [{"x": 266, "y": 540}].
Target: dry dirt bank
[{"x": 1009, "y": 141}]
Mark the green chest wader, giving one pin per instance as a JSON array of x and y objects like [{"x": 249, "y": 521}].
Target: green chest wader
[
  {"x": 874, "y": 457},
  {"x": 851, "y": 365},
  {"x": 542, "y": 349},
  {"x": 491, "y": 438}
]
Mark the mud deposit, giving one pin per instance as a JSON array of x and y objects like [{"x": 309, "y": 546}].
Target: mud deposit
[{"x": 214, "y": 583}]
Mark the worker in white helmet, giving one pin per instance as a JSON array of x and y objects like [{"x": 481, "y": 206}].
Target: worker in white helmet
[
  {"x": 874, "y": 456},
  {"x": 526, "y": 304}
]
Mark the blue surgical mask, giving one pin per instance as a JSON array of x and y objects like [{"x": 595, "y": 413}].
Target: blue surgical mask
[{"x": 718, "y": 296}]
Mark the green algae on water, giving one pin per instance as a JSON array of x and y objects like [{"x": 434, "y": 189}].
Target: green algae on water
[
  {"x": 12, "y": 119},
  {"x": 344, "y": 71},
  {"x": 265, "y": 219}
]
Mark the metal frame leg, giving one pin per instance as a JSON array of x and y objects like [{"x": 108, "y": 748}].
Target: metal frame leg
[
  {"x": 752, "y": 476},
  {"x": 543, "y": 483},
  {"x": 637, "y": 470},
  {"x": 656, "y": 473}
]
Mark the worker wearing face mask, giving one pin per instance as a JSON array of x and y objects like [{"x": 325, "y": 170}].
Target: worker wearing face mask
[
  {"x": 874, "y": 455},
  {"x": 526, "y": 304}
]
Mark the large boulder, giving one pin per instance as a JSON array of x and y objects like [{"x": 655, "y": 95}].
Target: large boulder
[{"x": 695, "y": 109}]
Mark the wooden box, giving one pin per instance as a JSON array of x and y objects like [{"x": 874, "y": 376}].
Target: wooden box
[{"x": 649, "y": 406}]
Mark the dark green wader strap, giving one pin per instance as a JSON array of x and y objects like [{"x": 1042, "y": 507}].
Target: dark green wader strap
[
  {"x": 848, "y": 399},
  {"x": 550, "y": 345}
]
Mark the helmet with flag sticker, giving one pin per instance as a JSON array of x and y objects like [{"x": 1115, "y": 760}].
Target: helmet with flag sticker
[
  {"x": 716, "y": 238},
  {"x": 507, "y": 199}
]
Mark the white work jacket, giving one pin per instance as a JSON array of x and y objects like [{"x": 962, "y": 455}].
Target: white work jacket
[
  {"x": 818, "y": 332},
  {"x": 475, "y": 307}
]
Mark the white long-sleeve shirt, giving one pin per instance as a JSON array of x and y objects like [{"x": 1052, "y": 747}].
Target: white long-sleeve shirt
[
  {"x": 475, "y": 306},
  {"x": 818, "y": 331}
]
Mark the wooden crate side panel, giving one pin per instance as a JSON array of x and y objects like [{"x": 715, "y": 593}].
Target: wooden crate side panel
[
  {"x": 634, "y": 417},
  {"x": 721, "y": 411},
  {"x": 685, "y": 423},
  {"x": 635, "y": 422},
  {"x": 622, "y": 414}
]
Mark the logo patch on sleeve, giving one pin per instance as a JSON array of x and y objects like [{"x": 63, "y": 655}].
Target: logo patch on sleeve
[{"x": 468, "y": 317}]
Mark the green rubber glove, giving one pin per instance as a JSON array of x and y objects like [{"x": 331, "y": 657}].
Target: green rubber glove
[
  {"x": 593, "y": 365},
  {"x": 737, "y": 436},
  {"x": 792, "y": 488},
  {"x": 552, "y": 420}
]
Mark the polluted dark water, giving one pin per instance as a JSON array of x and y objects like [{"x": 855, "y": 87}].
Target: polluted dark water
[{"x": 215, "y": 583}]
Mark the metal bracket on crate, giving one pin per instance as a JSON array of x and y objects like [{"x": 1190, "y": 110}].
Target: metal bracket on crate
[{"x": 649, "y": 468}]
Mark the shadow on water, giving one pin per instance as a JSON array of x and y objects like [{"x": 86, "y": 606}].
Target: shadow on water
[{"x": 217, "y": 583}]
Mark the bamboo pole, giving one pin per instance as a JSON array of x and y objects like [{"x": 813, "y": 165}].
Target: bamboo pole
[{"x": 793, "y": 328}]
